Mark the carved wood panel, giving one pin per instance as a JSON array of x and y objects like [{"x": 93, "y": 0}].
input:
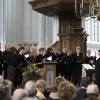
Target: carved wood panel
[{"x": 74, "y": 43}]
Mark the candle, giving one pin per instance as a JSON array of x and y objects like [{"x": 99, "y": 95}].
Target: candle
[
  {"x": 80, "y": 10},
  {"x": 82, "y": 3},
  {"x": 97, "y": 2},
  {"x": 75, "y": 6},
  {"x": 93, "y": 9}
]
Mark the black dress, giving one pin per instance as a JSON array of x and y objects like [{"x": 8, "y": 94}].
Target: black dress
[
  {"x": 40, "y": 58},
  {"x": 33, "y": 59},
  {"x": 77, "y": 68},
  {"x": 61, "y": 63},
  {"x": 12, "y": 63},
  {"x": 5, "y": 66},
  {"x": 56, "y": 58},
  {"x": 67, "y": 67}
]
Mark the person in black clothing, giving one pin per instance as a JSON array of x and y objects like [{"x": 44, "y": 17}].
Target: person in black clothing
[
  {"x": 81, "y": 94},
  {"x": 27, "y": 53},
  {"x": 77, "y": 68},
  {"x": 41, "y": 57},
  {"x": 56, "y": 58},
  {"x": 33, "y": 56},
  {"x": 21, "y": 58},
  {"x": 89, "y": 60},
  {"x": 21, "y": 61},
  {"x": 97, "y": 69},
  {"x": 12, "y": 63},
  {"x": 55, "y": 54},
  {"x": 49, "y": 53},
  {"x": 17, "y": 50},
  {"x": 67, "y": 66},
  {"x": 27, "y": 50},
  {"x": 1, "y": 60},
  {"x": 62, "y": 55},
  {"x": 5, "y": 66}
]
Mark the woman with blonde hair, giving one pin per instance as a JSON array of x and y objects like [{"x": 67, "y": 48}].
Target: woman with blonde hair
[
  {"x": 33, "y": 56},
  {"x": 54, "y": 95},
  {"x": 42, "y": 93},
  {"x": 66, "y": 91}
]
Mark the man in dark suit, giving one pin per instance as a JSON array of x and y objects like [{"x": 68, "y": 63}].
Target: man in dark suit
[
  {"x": 82, "y": 92},
  {"x": 97, "y": 69}
]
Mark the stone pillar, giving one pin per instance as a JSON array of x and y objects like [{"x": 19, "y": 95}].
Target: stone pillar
[
  {"x": 1, "y": 24},
  {"x": 13, "y": 21}
]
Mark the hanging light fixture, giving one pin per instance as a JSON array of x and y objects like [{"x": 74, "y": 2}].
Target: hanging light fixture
[{"x": 88, "y": 8}]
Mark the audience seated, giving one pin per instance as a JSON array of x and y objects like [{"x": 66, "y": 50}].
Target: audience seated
[
  {"x": 1, "y": 78},
  {"x": 82, "y": 92},
  {"x": 66, "y": 91},
  {"x": 30, "y": 98},
  {"x": 5, "y": 90},
  {"x": 93, "y": 98},
  {"x": 19, "y": 94},
  {"x": 42, "y": 93},
  {"x": 54, "y": 95},
  {"x": 92, "y": 90},
  {"x": 30, "y": 87},
  {"x": 25, "y": 79}
]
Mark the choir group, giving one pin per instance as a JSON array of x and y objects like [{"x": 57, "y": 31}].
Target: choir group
[{"x": 68, "y": 64}]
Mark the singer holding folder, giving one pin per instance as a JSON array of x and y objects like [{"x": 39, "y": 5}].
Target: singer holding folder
[
  {"x": 77, "y": 67},
  {"x": 89, "y": 60}
]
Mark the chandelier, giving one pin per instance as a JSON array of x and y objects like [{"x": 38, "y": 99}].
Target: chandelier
[{"x": 87, "y": 8}]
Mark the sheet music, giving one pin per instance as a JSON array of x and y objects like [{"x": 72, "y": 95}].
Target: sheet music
[
  {"x": 44, "y": 59},
  {"x": 49, "y": 58},
  {"x": 87, "y": 66},
  {"x": 26, "y": 56}
]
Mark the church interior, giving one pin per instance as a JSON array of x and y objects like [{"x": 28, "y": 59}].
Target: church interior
[{"x": 49, "y": 49}]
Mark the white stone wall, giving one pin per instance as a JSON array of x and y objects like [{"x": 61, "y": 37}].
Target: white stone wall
[
  {"x": 13, "y": 21},
  {"x": 1, "y": 24},
  {"x": 37, "y": 28},
  {"x": 20, "y": 24},
  {"x": 92, "y": 27}
]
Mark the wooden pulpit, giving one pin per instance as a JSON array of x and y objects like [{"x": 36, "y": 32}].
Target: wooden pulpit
[
  {"x": 70, "y": 33},
  {"x": 49, "y": 72}
]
